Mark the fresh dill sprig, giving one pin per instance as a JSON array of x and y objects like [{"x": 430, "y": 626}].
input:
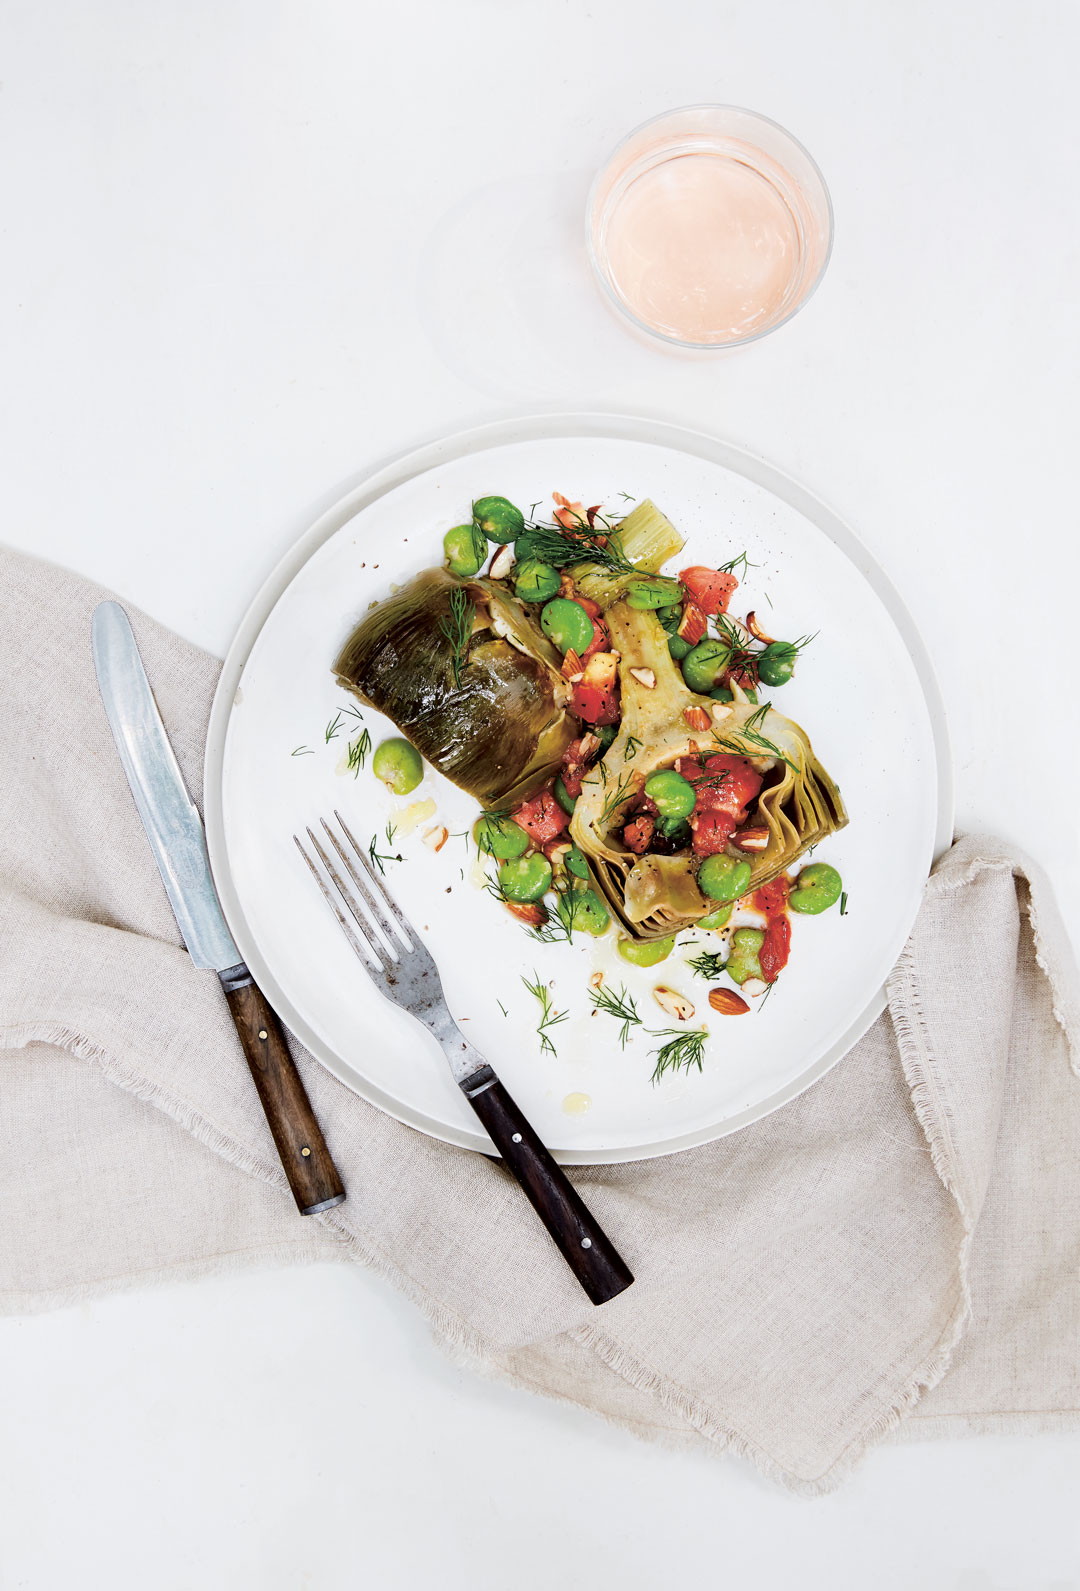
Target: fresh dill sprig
[
  {"x": 333, "y": 727},
  {"x": 302, "y": 751},
  {"x": 378, "y": 858},
  {"x": 708, "y": 965},
  {"x": 741, "y": 562},
  {"x": 549, "y": 1017},
  {"x": 681, "y": 1051},
  {"x": 556, "y": 545},
  {"x": 621, "y": 1006},
  {"x": 615, "y": 798},
  {"x": 502, "y": 1008},
  {"x": 632, "y": 747},
  {"x": 764, "y": 998},
  {"x": 843, "y": 903},
  {"x": 748, "y": 741},
  {"x": 457, "y": 629},
  {"x": 358, "y": 750},
  {"x": 559, "y": 927}
]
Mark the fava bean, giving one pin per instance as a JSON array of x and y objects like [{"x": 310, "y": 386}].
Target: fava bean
[
  {"x": 500, "y": 836},
  {"x": 817, "y": 887},
  {"x": 535, "y": 581},
  {"x": 568, "y": 625},
  {"x": 723, "y": 878},
  {"x": 646, "y": 952},
  {"x": 678, "y": 647},
  {"x": 703, "y": 665},
  {"x": 576, "y": 863},
  {"x": 776, "y": 664},
  {"x": 466, "y": 548},
  {"x": 583, "y": 908},
  {"x": 498, "y": 519},
  {"x": 718, "y": 918},
  {"x": 525, "y": 878},
  {"x": 398, "y": 765},
  {"x": 742, "y": 962},
  {"x": 653, "y": 592},
  {"x": 563, "y": 796},
  {"x": 672, "y": 795}
]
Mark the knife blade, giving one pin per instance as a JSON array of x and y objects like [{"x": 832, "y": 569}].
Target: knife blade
[{"x": 175, "y": 832}]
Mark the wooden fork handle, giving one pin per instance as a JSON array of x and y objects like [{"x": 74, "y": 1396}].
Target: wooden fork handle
[
  {"x": 301, "y": 1147},
  {"x": 590, "y": 1254}
]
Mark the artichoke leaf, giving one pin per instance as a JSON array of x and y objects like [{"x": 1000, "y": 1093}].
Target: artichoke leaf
[
  {"x": 496, "y": 725},
  {"x": 653, "y": 896}
]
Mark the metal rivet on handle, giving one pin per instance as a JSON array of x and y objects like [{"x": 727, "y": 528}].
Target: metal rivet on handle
[
  {"x": 586, "y": 1242},
  {"x": 516, "y": 1139},
  {"x": 305, "y": 1150},
  {"x": 262, "y": 1033}
]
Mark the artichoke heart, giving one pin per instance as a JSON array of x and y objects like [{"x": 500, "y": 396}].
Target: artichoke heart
[
  {"x": 469, "y": 678},
  {"x": 656, "y": 895}
]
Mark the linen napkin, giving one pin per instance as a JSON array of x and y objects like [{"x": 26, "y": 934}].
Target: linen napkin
[{"x": 899, "y": 1243}]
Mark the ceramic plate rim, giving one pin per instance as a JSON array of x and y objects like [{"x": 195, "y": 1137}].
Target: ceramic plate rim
[{"x": 384, "y": 478}]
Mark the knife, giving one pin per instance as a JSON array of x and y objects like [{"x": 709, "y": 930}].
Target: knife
[{"x": 175, "y": 832}]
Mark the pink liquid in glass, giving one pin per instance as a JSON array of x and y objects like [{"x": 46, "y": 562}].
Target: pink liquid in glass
[
  {"x": 703, "y": 247},
  {"x": 709, "y": 226}
]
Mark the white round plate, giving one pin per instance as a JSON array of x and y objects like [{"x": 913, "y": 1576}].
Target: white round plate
[{"x": 864, "y": 691}]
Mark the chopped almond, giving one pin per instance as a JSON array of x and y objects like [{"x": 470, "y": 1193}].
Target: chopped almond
[
  {"x": 645, "y": 678},
  {"x": 436, "y": 837},
  {"x": 756, "y": 631},
  {"x": 753, "y": 839},
  {"x": 571, "y": 665},
  {"x": 727, "y": 1002},
  {"x": 674, "y": 1003},
  {"x": 696, "y": 717},
  {"x": 530, "y": 912},
  {"x": 693, "y": 624}
]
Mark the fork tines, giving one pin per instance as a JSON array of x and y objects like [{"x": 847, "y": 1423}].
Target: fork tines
[{"x": 368, "y": 927}]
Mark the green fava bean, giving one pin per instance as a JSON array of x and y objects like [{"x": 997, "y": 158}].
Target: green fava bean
[
  {"x": 466, "y": 548},
  {"x": 678, "y": 647},
  {"x": 776, "y": 664},
  {"x": 576, "y": 863},
  {"x": 498, "y": 519},
  {"x": 722, "y": 694},
  {"x": 583, "y": 908},
  {"x": 564, "y": 798},
  {"x": 398, "y": 765},
  {"x": 742, "y": 962},
  {"x": 568, "y": 625},
  {"x": 525, "y": 878},
  {"x": 670, "y": 618},
  {"x": 535, "y": 581},
  {"x": 718, "y": 918},
  {"x": 500, "y": 837},
  {"x": 607, "y": 733},
  {"x": 645, "y": 952},
  {"x": 723, "y": 878},
  {"x": 672, "y": 795},
  {"x": 817, "y": 887},
  {"x": 703, "y": 665},
  {"x": 649, "y": 592}
]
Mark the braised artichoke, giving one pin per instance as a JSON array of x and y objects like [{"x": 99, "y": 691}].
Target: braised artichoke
[
  {"x": 469, "y": 678},
  {"x": 656, "y": 895}
]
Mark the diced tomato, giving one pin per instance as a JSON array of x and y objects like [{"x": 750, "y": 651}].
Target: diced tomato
[
  {"x": 689, "y": 767},
  {"x": 711, "y": 589},
  {"x": 773, "y": 954},
  {"x": 595, "y": 698},
  {"x": 745, "y": 678},
  {"x": 712, "y": 831},
  {"x": 728, "y": 784},
  {"x": 541, "y": 817},
  {"x": 637, "y": 835},
  {"x": 576, "y": 759},
  {"x": 772, "y": 898},
  {"x": 591, "y": 608},
  {"x": 601, "y": 639}
]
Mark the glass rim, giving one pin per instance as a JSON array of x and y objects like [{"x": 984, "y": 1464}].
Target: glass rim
[{"x": 620, "y": 304}]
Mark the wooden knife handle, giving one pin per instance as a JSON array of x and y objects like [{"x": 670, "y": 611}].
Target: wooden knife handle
[
  {"x": 312, "y": 1175},
  {"x": 590, "y": 1254}
]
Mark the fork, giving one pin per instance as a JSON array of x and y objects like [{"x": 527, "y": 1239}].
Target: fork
[{"x": 403, "y": 970}]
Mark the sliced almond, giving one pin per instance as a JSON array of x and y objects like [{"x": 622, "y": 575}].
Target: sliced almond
[
  {"x": 571, "y": 665},
  {"x": 530, "y": 912},
  {"x": 727, "y": 1002},
  {"x": 756, "y": 631},
  {"x": 645, "y": 678},
  {"x": 436, "y": 837},
  {"x": 576, "y": 679},
  {"x": 596, "y": 980},
  {"x": 753, "y": 839},
  {"x": 721, "y": 710},
  {"x": 753, "y": 987},
  {"x": 696, "y": 717},
  {"x": 674, "y": 1003},
  {"x": 693, "y": 624},
  {"x": 590, "y": 744},
  {"x": 502, "y": 563}
]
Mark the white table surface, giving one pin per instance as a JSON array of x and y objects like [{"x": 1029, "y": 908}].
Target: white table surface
[{"x": 247, "y": 250}]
